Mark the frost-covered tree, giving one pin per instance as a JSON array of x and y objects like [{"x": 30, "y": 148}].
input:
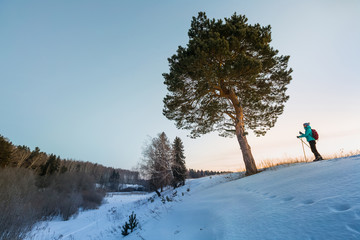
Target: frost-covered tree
[
  {"x": 157, "y": 161},
  {"x": 228, "y": 79}
]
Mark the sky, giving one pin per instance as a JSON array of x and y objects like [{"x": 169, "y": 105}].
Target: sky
[{"x": 83, "y": 79}]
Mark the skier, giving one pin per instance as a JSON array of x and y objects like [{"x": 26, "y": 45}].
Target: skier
[{"x": 311, "y": 140}]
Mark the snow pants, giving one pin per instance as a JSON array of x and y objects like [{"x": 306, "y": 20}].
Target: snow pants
[{"x": 314, "y": 150}]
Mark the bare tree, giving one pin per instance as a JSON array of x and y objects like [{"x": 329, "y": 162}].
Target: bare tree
[
  {"x": 20, "y": 154},
  {"x": 157, "y": 162}
]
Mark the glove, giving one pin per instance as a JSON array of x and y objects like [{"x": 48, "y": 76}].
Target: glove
[
  {"x": 300, "y": 133},
  {"x": 297, "y": 136}
]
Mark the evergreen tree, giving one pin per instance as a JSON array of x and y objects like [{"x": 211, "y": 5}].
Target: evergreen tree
[
  {"x": 51, "y": 166},
  {"x": 228, "y": 79},
  {"x": 178, "y": 167},
  {"x": 5, "y": 151},
  {"x": 130, "y": 225},
  {"x": 114, "y": 181}
]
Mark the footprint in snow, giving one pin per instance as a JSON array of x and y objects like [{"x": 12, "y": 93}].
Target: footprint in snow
[
  {"x": 340, "y": 207},
  {"x": 287, "y": 199},
  {"x": 308, "y": 202}
]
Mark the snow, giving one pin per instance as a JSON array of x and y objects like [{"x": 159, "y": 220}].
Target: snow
[
  {"x": 319, "y": 200},
  {"x": 132, "y": 186}
]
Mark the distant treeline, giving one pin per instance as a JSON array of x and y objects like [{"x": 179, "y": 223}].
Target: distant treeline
[
  {"x": 44, "y": 164},
  {"x": 35, "y": 186},
  {"x": 203, "y": 173}
]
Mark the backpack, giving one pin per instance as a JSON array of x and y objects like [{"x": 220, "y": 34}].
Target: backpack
[{"x": 314, "y": 133}]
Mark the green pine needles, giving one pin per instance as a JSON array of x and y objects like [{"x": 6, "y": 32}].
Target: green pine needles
[
  {"x": 130, "y": 225},
  {"x": 227, "y": 79},
  {"x": 178, "y": 167}
]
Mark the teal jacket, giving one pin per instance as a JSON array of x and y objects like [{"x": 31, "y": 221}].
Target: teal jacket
[{"x": 308, "y": 134}]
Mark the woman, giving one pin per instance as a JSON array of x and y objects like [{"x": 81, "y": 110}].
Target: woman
[{"x": 311, "y": 140}]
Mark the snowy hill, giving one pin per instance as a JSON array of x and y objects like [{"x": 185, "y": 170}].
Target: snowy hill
[{"x": 319, "y": 200}]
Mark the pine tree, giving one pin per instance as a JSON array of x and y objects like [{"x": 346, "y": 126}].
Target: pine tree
[
  {"x": 5, "y": 151},
  {"x": 178, "y": 167},
  {"x": 114, "y": 181},
  {"x": 51, "y": 166},
  {"x": 228, "y": 78},
  {"x": 130, "y": 225}
]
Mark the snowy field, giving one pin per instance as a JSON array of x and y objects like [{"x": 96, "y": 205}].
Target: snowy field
[{"x": 319, "y": 200}]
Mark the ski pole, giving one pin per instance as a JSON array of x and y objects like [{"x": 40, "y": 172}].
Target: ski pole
[
  {"x": 305, "y": 143},
  {"x": 302, "y": 143}
]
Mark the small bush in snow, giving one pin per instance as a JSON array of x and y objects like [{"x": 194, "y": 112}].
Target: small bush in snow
[
  {"x": 131, "y": 225},
  {"x": 152, "y": 199}
]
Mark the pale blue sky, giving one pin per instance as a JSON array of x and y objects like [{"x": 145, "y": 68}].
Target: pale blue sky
[{"x": 83, "y": 79}]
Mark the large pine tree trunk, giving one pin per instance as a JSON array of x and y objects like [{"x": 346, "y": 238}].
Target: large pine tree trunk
[
  {"x": 246, "y": 151},
  {"x": 241, "y": 136}
]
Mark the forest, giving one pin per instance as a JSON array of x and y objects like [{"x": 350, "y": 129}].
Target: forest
[{"x": 37, "y": 186}]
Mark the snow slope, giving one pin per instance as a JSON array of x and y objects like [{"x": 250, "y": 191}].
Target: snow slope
[{"x": 319, "y": 200}]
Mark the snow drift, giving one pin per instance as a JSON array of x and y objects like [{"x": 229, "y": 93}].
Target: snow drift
[{"x": 319, "y": 200}]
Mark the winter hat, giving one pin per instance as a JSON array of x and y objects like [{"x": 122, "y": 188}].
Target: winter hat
[{"x": 306, "y": 124}]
